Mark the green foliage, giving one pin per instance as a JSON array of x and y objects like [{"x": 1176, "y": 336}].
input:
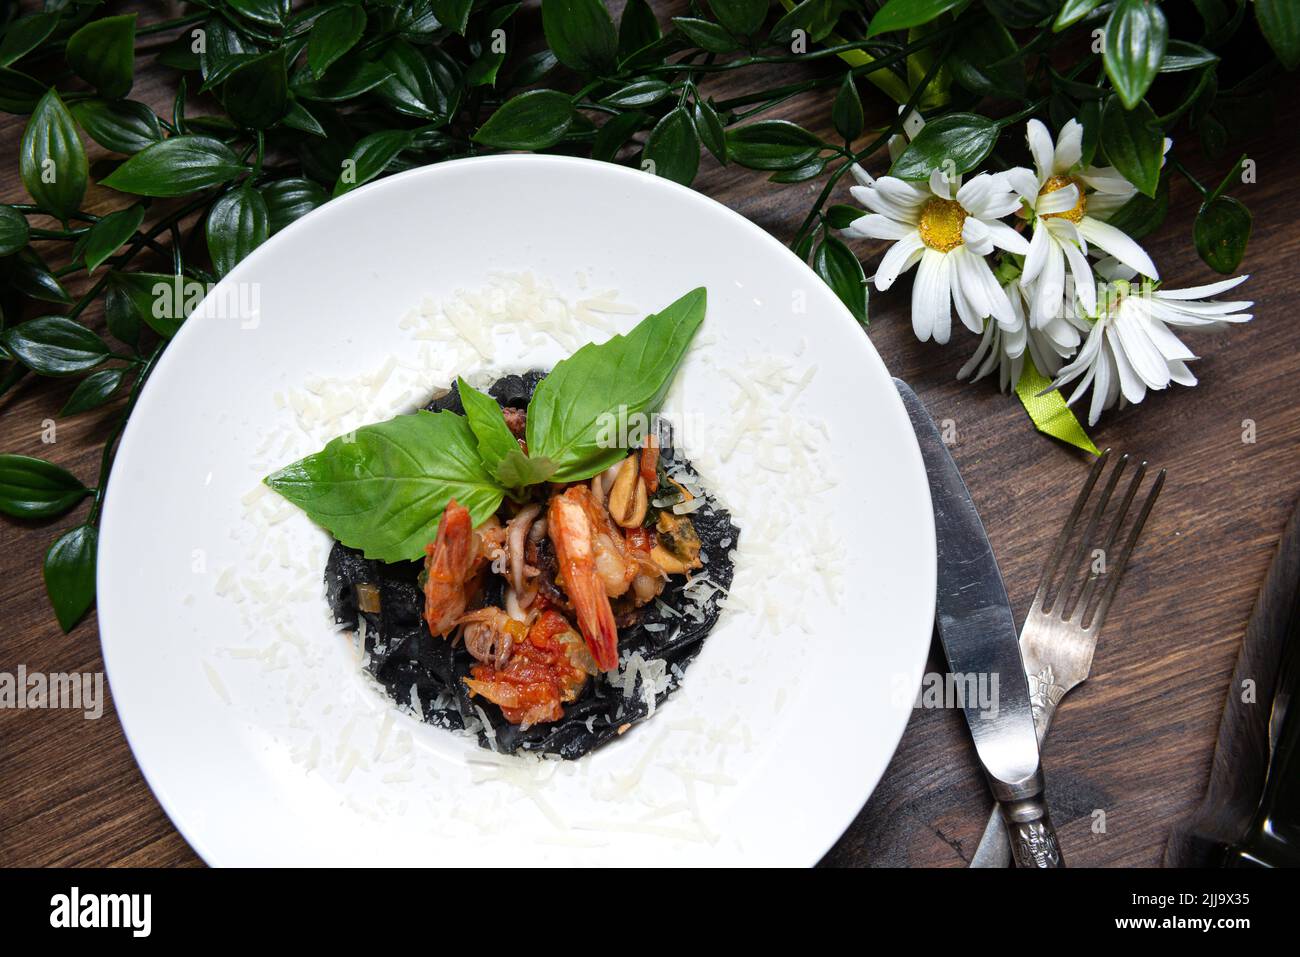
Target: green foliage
[{"x": 278, "y": 107}]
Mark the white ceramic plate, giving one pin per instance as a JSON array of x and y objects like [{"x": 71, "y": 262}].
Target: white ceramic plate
[{"x": 247, "y": 710}]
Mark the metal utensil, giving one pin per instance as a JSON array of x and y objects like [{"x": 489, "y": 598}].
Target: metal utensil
[
  {"x": 1056, "y": 646},
  {"x": 978, "y": 632}
]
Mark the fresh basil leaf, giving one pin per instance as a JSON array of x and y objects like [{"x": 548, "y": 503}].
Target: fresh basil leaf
[
  {"x": 13, "y": 230},
  {"x": 256, "y": 93},
  {"x": 163, "y": 302},
  {"x": 772, "y": 145},
  {"x": 530, "y": 121},
  {"x": 176, "y": 166},
  {"x": 487, "y": 422},
  {"x": 1134, "y": 45},
  {"x": 269, "y": 13},
  {"x": 638, "y": 94},
  {"x": 1181, "y": 56},
  {"x": 52, "y": 160},
  {"x": 370, "y": 157},
  {"x": 740, "y": 17},
  {"x": 517, "y": 470},
  {"x": 840, "y": 270},
  {"x": 627, "y": 376},
  {"x": 93, "y": 391},
  {"x": 24, "y": 35},
  {"x": 1221, "y": 232},
  {"x": 335, "y": 32},
  {"x": 1072, "y": 11},
  {"x": 237, "y": 224},
  {"x": 70, "y": 574},
  {"x": 383, "y": 488},
  {"x": 497, "y": 445},
  {"x": 123, "y": 126},
  {"x": 298, "y": 117},
  {"x": 965, "y": 139},
  {"x": 54, "y": 345},
  {"x": 638, "y": 27},
  {"x": 34, "y": 488},
  {"x": 108, "y": 235},
  {"x": 846, "y": 113},
  {"x": 902, "y": 14},
  {"x": 453, "y": 14},
  {"x": 420, "y": 85},
  {"x": 1134, "y": 143},
  {"x": 709, "y": 128},
  {"x": 290, "y": 199},
  {"x": 581, "y": 34},
  {"x": 1279, "y": 21},
  {"x": 707, "y": 35},
  {"x": 103, "y": 54},
  {"x": 672, "y": 150}
]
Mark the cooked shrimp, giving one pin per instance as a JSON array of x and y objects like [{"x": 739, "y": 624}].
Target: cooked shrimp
[
  {"x": 453, "y": 561},
  {"x": 579, "y": 555}
]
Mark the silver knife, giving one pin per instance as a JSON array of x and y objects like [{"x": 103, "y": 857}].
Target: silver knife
[{"x": 980, "y": 639}]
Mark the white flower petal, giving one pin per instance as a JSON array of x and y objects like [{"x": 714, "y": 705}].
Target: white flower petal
[
  {"x": 1131, "y": 385},
  {"x": 930, "y": 297},
  {"x": 861, "y": 175},
  {"x": 1069, "y": 147},
  {"x": 1058, "y": 201},
  {"x": 1036, "y": 258},
  {"x": 1005, "y": 237},
  {"x": 1085, "y": 287},
  {"x": 899, "y": 258},
  {"x": 1130, "y": 330},
  {"x": 1118, "y": 244},
  {"x": 939, "y": 184},
  {"x": 1202, "y": 292},
  {"x": 1023, "y": 182},
  {"x": 1107, "y": 179},
  {"x": 976, "y": 236},
  {"x": 1041, "y": 148},
  {"x": 875, "y": 226}
]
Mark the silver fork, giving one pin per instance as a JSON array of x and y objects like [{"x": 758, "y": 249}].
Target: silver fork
[{"x": 1055, "y": 643}]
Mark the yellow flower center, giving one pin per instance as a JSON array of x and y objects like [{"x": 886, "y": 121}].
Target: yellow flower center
[
  {"x": 1060, "y": 182},
  {"x": 941, "y": 223}
]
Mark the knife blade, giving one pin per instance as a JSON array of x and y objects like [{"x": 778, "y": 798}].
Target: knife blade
[{"x": 980, "y": 639}]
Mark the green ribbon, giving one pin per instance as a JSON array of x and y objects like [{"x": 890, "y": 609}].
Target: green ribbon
[{"x": 1048, "y": 410}]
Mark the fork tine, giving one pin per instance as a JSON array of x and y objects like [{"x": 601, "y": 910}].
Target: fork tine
[
  {"x": 1086, "y": 593},
  {"x": 1103, "y": 603},
  {"x": 1078, "y": 559},
  {"x": 1049, "y": 570}
]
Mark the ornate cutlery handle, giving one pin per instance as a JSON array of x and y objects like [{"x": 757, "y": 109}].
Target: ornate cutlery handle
[
  {"x": 993, "y": 849},
  {"x": 1033, "y": 839}
]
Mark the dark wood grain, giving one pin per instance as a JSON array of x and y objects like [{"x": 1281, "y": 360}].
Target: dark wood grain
[{"x": 1135, "y": 741}]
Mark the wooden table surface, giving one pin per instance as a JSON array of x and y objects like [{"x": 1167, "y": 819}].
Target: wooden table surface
[{"x": 1135, "y": 741}]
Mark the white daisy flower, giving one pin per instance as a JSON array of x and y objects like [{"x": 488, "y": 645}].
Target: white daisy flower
[
  {"x": 1131, "y": 347},
  {"x": 946, "y": 230},
  {"x": 1003, "y": 347},
  {"x": 1062, "y": 197}
]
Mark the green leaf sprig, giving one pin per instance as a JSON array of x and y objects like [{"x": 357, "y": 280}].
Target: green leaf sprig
[{"x": 383, "y": 488}]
